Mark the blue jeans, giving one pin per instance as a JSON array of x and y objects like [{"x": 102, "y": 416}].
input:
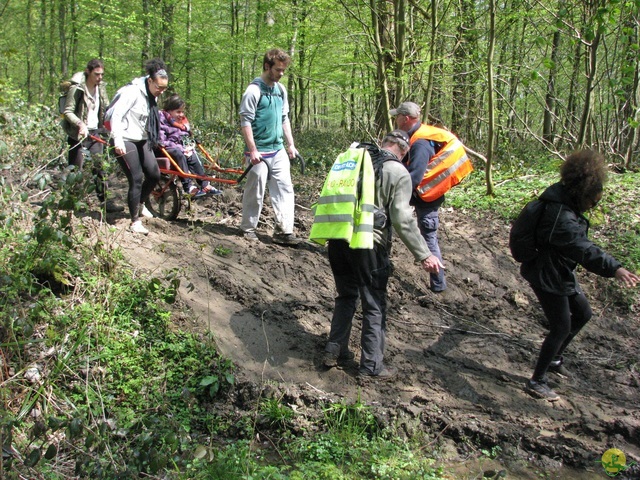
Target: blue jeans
[{"x": 428, "y": 221}]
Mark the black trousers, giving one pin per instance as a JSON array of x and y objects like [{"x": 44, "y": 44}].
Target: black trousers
[
  {"x": 360, "y": 274},
  {"x": 566, "y": 315}
]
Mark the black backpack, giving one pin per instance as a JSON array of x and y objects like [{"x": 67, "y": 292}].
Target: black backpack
[{"x": 522, "y": 237}]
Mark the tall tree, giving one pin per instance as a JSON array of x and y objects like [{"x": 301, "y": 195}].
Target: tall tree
[{"x": 491, "y": 113}]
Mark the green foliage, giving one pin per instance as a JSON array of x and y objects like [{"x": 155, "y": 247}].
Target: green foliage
[
  {"x": 111, "y": 373},
  {"x": 321, "y": 147},
  {"x": 276, "y": 413}
]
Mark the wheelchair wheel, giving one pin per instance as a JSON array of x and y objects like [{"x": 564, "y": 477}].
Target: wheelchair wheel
[{"x": 164, "y": 202}]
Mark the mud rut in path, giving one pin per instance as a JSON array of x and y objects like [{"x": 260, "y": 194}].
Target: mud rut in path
[{"x": 463, "y": 356}]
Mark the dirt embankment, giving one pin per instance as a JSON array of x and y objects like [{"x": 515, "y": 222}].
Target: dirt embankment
[{"x": 463, "y": 356}]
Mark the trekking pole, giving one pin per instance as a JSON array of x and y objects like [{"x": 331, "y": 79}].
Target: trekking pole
[
  {"x": 302, "y": 164},
  {"x": 250, "y": 166}
]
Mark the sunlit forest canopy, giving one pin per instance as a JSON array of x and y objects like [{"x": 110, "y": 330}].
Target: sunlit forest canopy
[{"x": 564, "y": 74}]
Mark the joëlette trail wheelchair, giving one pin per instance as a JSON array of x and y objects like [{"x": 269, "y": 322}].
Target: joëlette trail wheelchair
[{"x": 165, "y": 201}]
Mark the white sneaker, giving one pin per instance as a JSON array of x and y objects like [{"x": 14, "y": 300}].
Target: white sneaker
[
  {"x": 145, "y": 212},
  {"x": 137, "y": 227}
]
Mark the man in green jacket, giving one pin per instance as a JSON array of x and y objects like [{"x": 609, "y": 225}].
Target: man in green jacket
[{"x": 265, "y": 125}]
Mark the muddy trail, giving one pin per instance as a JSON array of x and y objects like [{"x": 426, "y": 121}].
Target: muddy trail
[{"x": 463, "y": 356}]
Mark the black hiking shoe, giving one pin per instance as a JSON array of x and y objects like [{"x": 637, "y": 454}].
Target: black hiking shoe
[
  {"x": 331, "y": 360},
  {"x": 540, "y": 389},
  {"x": 288, "y": 239},
  {"x": 387, "y": 373},
  {"x": 557, "y": 367}
]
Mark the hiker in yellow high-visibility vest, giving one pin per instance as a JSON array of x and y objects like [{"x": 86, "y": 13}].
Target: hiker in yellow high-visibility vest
[
  {"x": 363, "y": 272},
  {"x": 436, "y": 161}
]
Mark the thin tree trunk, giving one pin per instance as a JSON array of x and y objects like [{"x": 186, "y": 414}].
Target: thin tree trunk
[
  {"x": 591, "y": 75},
  {"x": 572, "y": 103},
  {"x": 28, "y": 60},
  {"x": 146, "y": 28},
  {"x": 399, "y": 11},
  {"x": 379, "y": 19},
  {"x": 548, "y": 133},
  {"x": 432, "y": 60},
  {"x": 187, "y": 54},
  {"x": 490, "y": 88},
  {"x": 167, "y": 33},
  {"x": 62, "y": 34}
]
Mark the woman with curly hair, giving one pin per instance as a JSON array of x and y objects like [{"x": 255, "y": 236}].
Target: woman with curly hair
[{"x": 561, "y": 238}]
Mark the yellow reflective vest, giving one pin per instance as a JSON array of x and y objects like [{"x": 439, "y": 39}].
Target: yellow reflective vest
[
  {"x": 345, "y": 208},
  {"x": 446, "y": 168}
]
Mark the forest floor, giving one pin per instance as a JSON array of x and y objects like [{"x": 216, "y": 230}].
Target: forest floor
[{"x": 463, "y": 356}]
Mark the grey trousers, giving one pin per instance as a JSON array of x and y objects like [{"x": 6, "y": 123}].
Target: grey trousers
[
  {"x": 360, "y": 274},
  {"x": 280, "y": 191}
]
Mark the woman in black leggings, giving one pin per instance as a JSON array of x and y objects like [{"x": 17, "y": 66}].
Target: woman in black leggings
[
  {"x": 135, "y": 129},
  {"x": 562, "y": 242}
]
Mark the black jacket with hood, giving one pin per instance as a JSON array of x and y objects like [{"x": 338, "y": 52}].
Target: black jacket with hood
[{"x": 562, "y": 241}]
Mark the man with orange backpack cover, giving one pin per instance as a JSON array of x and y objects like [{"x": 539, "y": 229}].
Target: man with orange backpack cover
[{"x": 436, "y": 162}]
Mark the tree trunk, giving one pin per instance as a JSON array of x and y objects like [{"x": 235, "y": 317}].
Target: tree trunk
[
  {"x": 28, "y": 60},
  {"x": 187, "y": 55},
  {"x": 592, "y": 49},
  {"x": 167, "y": 32},
  {"x": 432, "y": 60},
  {"x": 548, "y": 131},
  {"x": 146, "y": 28},
  {"x": 490, "y": 88},
  {"x": 379, "y": 19},
  {"x": 62, "y": 32},
  {"x": 570, "y": 123},
  {"x": 400, "y": 28}
]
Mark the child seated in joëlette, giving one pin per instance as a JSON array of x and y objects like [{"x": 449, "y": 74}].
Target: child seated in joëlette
[{"x": 175, "y": 136}]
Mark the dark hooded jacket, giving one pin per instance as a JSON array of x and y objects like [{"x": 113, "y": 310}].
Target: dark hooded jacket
[{"x": 562, "y": 241}]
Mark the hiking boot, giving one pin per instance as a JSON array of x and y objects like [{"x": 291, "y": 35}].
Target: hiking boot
[
  {"x": 110, "y": 207},
  {"x": 331, "y": 360},
  {"x": 540, "y": 389},
  {"x": 286, "y": 239},
  {"x": 251, "y": 236},
  {"x": 557, "y": 367},
  {"x": 137, "y": 227},
  {"x": 144, "y": 211},
  {"x": 387, "y": 373}
]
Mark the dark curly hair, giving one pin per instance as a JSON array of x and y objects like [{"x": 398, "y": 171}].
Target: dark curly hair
[
  {"x": 156, "y": 68},
  {"x": 584, "y": 174}
]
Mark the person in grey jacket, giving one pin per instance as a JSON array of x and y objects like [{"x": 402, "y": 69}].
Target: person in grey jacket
[
  {"x": 84, "y": 111},
  {"x": 562, "y": 243},
  {"x": 134, "y": 134},
  {"x": 364, "y": 273}
]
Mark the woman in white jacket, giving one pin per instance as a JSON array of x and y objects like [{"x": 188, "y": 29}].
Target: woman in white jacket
[{"x": 134, "y": 135}]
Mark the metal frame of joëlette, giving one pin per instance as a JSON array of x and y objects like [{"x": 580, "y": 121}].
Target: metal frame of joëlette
[
  {"x": 175, "y": 170},
  {"x": 211, "y": 165}
]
